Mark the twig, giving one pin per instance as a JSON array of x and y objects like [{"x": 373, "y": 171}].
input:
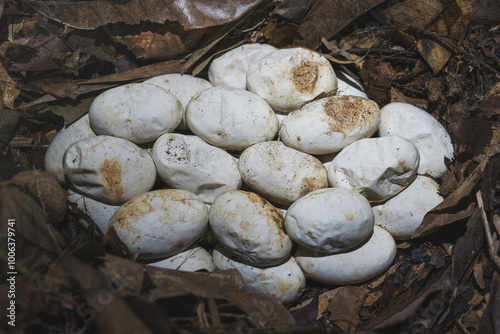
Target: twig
[{"x": 491, "y": 248}]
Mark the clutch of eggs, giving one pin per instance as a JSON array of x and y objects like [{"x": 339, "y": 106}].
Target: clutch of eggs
[{"x": 273, "y": 149}]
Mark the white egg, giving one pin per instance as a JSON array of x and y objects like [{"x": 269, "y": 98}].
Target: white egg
[
  {"x": 250, "y": 227},
  {"x": 231, "y": 118},
  {"x": 288, "y": 78},
  {"x": 284, "y": 281},
  {"x": 280, "y": 173},
  {"x": 100, "y": 212},
  {"x": 330, "y": 220},
  {"x": 378, "y": 168},
  {"x": 429, "y": 136},
  {"x": 183, "y": 86},
  {"x": 365, "y": 262},
  {"x": 160, "y": 223},
  {"x": 231, "y": 68},
  {"x": 121, "y": 169},
  {"x": 68, "y": 135},
  {"x": 329, "y": 124},
  {"x": 189, "y": 163},
  {"x": 139, "y": 112},
  {"x": 193, "y": 259},
  {"x": 402, "y": 214}
]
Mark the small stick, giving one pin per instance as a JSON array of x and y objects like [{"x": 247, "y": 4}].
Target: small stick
[{"x": 487, "y": 231}]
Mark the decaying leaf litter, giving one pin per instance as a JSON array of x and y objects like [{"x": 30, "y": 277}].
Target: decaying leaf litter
[{"x": 56, "y": 56}]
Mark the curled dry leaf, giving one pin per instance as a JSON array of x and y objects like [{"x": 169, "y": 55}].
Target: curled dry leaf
[
  {"x": 8, "y": 90},
  {"x": 191, "y": 14},
  {"x": 326, "y": 18},
  {"x": 46, "y": 190}
]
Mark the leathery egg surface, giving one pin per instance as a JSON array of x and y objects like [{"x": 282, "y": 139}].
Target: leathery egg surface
[
  {"x": 67, "y": 136},
  {"x": 193, "y": 259},
  {"x": 280, "y": 173},
  {"x": 122, "y": 170},
  {"x": 429, "y": 136},
  {"x": 285, "y": 280},
  {"x": 288, "y": 78},
  {"x": 250, "y": 227},
  {"x": 369, "y": 260},
  {"x": 378, "y": 168},
  {"x": 402, "y": 214},
  {"x": 329, "y": 220},
  {"x": 329, "y": 124},
  {"x": 160, "y": 223},
  {"x": 183, "y": 86},
  {"x": 139, "y": 112},
  {"x": 231, "y": 68},
  {"x": 231, "y": 118},
  {"x": 189, "y": 163}
]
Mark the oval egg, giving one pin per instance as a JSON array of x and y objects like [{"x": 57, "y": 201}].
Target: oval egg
[
  {"x": 193, "y": 259},
  {"x": 378, "y": 168},
  {"x": 189, "y": 163},
  {"x": 329, "y": 220},
  {"x": 160, "y": 223},
  {"x": 365, "y": 262},
  {"x": 280, "y": 173},
  {"x": 285, "y": 280},
  {"x": 250, "y": 227},
  {"x": 121, "y": 169},
  {"x": 139, "y": 112},
  {"x": 329, "y": 124}
]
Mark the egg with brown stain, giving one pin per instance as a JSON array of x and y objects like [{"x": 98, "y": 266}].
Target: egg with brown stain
[
  {"x": 250, "y": 227},
  {"x": 118, "y": 170},
  {"x": 280, "y": 173},
  {"x": 328, "y": 125},
  {"x": 160, "y": 223}
]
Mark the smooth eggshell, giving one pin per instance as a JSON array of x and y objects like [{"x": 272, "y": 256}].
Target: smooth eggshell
[
  {"x": 231, "y": 118},
  {"x": 68, "y": 135},
  {"x": 183, "y": 86},
  {"x": 429, "y": 136},
  {"x": 369, "y": 260},
  {"x": 378, "y": 168},
  {"x": 160, "y": 223},
  {"x": 250, "y": 228},
  {"x": 100, "y": 212},
  {"x": 193, "y": 259},
  {"x": 231, "y": 68},
  {"x": 330, "y": 220},
  {"x": 280, "y": 173},
  {"x": 139, "y": 112},
  {"x": 402, "y": 214},
  {"x": 285, "y": 281},
  {"x": 329, "y": 124},
  {"x": 288, "y": 78},
  {"x": 122, "y": 170},
  {"x": 189, "y": 163}
]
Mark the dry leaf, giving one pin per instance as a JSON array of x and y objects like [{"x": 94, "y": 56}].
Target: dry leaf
[
  {"x": 344, "y": 307},
  {"x": 8, "y": 90},
  {"x": 326, "y": 18},
  {"x": 8, "y": 123},
  {"x": 191, "y": 14}
]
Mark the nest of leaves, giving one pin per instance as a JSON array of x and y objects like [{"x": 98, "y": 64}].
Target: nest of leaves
[{"x": 56, "y": 56}]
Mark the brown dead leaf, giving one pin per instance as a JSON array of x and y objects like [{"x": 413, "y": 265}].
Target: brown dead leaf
[
  {"x": 49, "y": 55},
  {"x": 326, "y": 18},
  {"x": 307, "y": 314},
  {"x": 8, "y": 90},
  {"x": 491, "y": 104},
  {"x": 344, "y": 307},
  {"x": 490, "y": 321},
  {"x": 293, "y": 10},
  {"x": 46, "y": 190},
  {"x": 191, "y": 14},
  {"x": 167, "y": 41},
  {"x": 8, "y": 123},
  {"x": 449, "y": 19},
  {"x": 280, "y": 36},
  {"x": 37, "y": 242},
  {"x": 70, "y": 110}
]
